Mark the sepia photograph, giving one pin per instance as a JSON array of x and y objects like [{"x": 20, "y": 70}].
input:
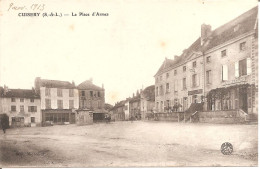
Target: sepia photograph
[{"x": 128, "y": 83}]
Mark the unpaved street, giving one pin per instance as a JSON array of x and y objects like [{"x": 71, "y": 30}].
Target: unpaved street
[{"x": 121, "y": 144}]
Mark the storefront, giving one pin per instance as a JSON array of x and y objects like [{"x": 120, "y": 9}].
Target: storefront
[
  {"x": 241, "y": 96},
  {"x": 58, "y": 116}
]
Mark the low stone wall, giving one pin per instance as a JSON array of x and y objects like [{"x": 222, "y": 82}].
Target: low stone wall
[
  {"x": 229, "y": 116},
  {"x": 167, "y": 116}
]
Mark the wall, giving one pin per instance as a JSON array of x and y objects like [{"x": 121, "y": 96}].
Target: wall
[
  {"x": 176, "y": 80},
  {"x": 6, "y": 103},
  {"x": 92, "y": 101},
  {"x": 54, "y": 98},
  {"x": 231, "y": 116},
  {"x": 84, "y": 117}
]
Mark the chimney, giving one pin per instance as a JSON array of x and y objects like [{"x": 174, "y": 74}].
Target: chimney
[
  {"x": 37, "y": 84},
  {"x": 102, "y": 85},
  {"x": 73, "y": 83},
  {"x": 5, "y": 89},
  {"x": 205, "y": 33},
  {"x": 133, "y": 95},
  {"x": 91, "y": 80}
]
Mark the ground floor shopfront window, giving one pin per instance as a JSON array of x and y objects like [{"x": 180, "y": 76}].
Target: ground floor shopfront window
[
  {"x": 60, "y": 118},
  {"x": 231, "y": 98}
]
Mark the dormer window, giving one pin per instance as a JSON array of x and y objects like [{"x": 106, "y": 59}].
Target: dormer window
[
  {"x": 194, "y": 64},
  {"x": 242, "y": 46},
  {"x": 236, "y": 28},
  {"x": 223, "y": 53}
]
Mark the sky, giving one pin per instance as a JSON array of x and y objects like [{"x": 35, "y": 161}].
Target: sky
[{"x": 123, "y": 50}]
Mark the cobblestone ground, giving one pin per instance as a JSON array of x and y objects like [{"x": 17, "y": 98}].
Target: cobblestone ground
[{"x": 126, "y": 144}]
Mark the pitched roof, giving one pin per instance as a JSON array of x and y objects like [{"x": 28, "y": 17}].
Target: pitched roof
[
  {"x": 20, "y": 93},
  {"x": 119, "y": 104},
  {"x": 135, "y": 99},
  {"x": 88, "y": 85},
  {"x": 149, "y": 93},
  {"x": 245, "y": 23},
  {"x": 56, "y": 84}
]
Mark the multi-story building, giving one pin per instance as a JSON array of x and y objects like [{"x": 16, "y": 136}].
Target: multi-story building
[
  {"x": 59, "y": 100},
  {"x": 92, "y": 98},
  {"x": 219, "y": 68},
  {"x": 118, "y": 111},
  {"x": 134, "y": 107},
  {"x": 147, "y": 101},
  {"x": 22, "y": 106}
]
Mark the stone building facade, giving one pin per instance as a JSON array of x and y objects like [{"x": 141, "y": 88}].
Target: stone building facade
[
  {"x": 22, "y": 106},
  {"x": 147, "y": 101},
  {"x": 92, "y": 98},
  {"x": 219, "y": 68},
  {"x": 59, "y": 100}
]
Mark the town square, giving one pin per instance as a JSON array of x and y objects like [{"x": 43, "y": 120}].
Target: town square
[{"x": 130, "y": 88}]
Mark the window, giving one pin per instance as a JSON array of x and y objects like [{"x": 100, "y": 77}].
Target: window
[
  {"x": 32, "y": 119},
  {"x": 99, "y": 94},
  {"x": 161, "y": 90},
  {"x": 208, "y": 77},
  {"x": 157, "y": 79},
  {"x": 32, "y": 100},
  {"x": 71, "y": 104},
  {"x": 223, "y": 53},
  {"x": 208, "y": 59},
  {"x": 60, "y": 104},
  {"x": 194, "y": 80},
  {"x": 243, "y": 67},
  {"x": 224, "y": 72},
  {"x": 59, "y": 92},
  {"x": 99, "y": 104},
  {"x": 242, "y": 46},
  {"x": 71, "y": 93},
  {"x": 184, "y": 68},
  {"x": 160, "y": 78},
  {"x": 32, "y": 108},
  {"x": 175, "y": 72},
  {"x": 82, "y": 93},
  {"x": 47, "y": 103},
  {"x": 175, "y": 86},
  {"x": 22, "y": 100},
  {"x": 12, "y": 99},
  {"x": 184, "y": 84},
  {"x": 167, "y": 103},
  {"x": 194, "y": 64},
  {"x": 91, "y": 93},
  {"x": 167, "y": 88},
  {"x": 47, "y": 92},
  {"x": 13, "y": 108},
  {"x": 157, "y": 91},
  {"x": 167, "y": 75},
  {"x": 22, "y": 108}
]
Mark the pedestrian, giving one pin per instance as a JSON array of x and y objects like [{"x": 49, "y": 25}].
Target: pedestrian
[{"x": 4, "y": 126}]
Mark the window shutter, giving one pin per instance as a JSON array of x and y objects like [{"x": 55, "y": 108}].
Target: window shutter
[
  {"x": 198, "y": 79},
  {"x": 249, "y": 66},
  {"x": 236, "y": 69},
  {"x": 224, "y": 72}
]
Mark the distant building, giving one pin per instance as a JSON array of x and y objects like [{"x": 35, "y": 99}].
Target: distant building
[
  {"x": 59, "y": 100},
  {"x": 22, "y": 106},
  {"x": 220, "y": 69},
  {"x": 135, "y": 107},
  {"x": 147, "y": 101},
  {"x": 92, "y": 98},
  {"x": 118, "y": 111}
]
